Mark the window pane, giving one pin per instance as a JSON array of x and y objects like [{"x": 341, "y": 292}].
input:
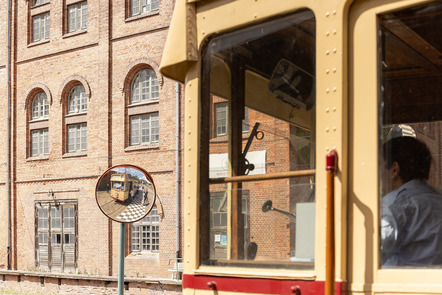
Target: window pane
[
  {"x": 77, "y": 16},
  {"x": 77, "y": 137},
  {"x": 144, "y": 86},
  {"x": 272, "y": 220},
  {"x": 145, "y": 233},
  {"x": 144, "y": 129},
  {"x": 410, "y": 124},
  {"x": 40, "y": 142}
]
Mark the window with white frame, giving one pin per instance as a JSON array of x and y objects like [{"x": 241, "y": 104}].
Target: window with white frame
[
  {"x": 77, "y": 137},
  {"x": 144, "y": 86},
  {"x": 145, "y": 234},
  {"x": 40, "y": 106},
  {"x": 40, "y": 142},
  {"x": 221, "y": 112},
  {"x": 139, "y": 7},
  {"x": 77, "y": 17},
  {"x": 77, "y": 102},
  {"x": 221, "y": 116},
  {"x": 39, "y": 2},
  {"x": 144, "y": 129},
  {"x": 40, "y": 27}
]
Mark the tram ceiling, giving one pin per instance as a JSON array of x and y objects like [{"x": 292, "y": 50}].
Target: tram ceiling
[{"x": 411, "y": 64}]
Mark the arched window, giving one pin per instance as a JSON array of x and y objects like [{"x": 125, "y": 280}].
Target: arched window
[
  {"x": 144, "y": 86},
  {"x": 77, "y": 102},
  {"x": 145, "y": 234},
  {"x": 40, "y": 106}
]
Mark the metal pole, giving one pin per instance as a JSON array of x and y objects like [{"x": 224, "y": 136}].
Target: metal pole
[
  {"x": 121, "y": 260},
  {"x": 330, "y": 233},
  {"x": 8, "y": 139}
]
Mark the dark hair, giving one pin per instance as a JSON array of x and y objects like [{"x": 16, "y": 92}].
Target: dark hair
[{"x": 413, "y": 156}]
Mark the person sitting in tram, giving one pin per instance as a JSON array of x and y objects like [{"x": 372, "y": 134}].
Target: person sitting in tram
[{"x": 411, "y": 225}]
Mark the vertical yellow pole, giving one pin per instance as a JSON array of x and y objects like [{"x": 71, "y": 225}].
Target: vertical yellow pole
[{"x": 330, "y": 226}]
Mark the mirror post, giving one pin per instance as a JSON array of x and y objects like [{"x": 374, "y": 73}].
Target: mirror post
[{"x": 121, "y": 260}]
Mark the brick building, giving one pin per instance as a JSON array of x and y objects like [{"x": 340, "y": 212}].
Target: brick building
[{"x": 85, "y": 95}]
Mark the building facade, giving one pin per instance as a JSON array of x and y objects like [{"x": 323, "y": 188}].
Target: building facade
[{"x": 85, "y": 94}]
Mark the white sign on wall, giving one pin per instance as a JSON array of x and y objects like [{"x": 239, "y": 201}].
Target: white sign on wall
[{"x": 219, "y": 164}]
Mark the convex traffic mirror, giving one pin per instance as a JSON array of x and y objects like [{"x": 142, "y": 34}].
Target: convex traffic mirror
[{"x": 125, "y": 193}]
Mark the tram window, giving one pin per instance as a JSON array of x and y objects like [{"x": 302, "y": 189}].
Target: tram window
[
  {"x": 258, "y": 123},
  {"x": 410, "y": 132}
]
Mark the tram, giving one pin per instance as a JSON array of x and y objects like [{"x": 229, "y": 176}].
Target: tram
[
  {"x": 122, "y": 185},
  {"x": 291, "y": 111}
]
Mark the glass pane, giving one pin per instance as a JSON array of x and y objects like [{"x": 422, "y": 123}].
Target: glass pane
[
  {"x": 262, "y": 76},
  {"x": 410, "y": 136}
]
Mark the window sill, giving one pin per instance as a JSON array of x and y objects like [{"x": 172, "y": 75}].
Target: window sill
[
  {"x": 32, "y": 44},
  {"x": 143, "y": 255},
  {"x": 76, "y": 114},
  {"x": 38, "y": 120},
  {"x": 149, "y": 102},
  {"x": 142, "y": 147},
  {"x": 75, "y": 33},
  {"x": 38, "y": 158},
  {"x": 75, "y": 154},
  {"x": 142, "y": 15}
]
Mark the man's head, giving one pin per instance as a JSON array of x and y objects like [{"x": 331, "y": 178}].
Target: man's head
[{"x": 411, "y": 155}]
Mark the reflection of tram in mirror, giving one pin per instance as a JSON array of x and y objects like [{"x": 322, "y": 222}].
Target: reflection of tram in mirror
[
  {"x": 125, "y": 193},
  {"x": 123, "y": 186}
]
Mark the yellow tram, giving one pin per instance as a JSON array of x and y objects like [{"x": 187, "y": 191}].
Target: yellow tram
[
  {"x": 122, "y": 185},
  {"x": 294, "y": 111}
]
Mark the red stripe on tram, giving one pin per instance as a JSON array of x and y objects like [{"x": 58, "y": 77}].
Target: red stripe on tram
[{"x": 257, "y": 285}]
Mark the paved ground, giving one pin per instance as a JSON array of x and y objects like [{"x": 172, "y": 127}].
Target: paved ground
[{"x": 129, "y": 211}]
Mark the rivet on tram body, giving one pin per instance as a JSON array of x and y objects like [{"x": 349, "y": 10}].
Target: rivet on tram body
[
  {"x": 327, "y": 149},
  {"x": 327, "y": 110},
  {"x": 188, "y": 260},
  {"x": 327, "y": 129},
  {"x": 334, "y": 70},
  {"x": 327, "y": 71},
  {"x": 188, "y": 212},
  {"x": 188, "y": 228},
  {"x": 334, "y": 128},
  {"x": 255, "y": 15},
  {"x": 334, "y": 12},
  {"x": 327, "y": 14},
  {"x": 334, "y": 32},
  {"x": 188, "y": 244},
  {"x": 203, "y": 32},
  {"x": 327, "y": 52},
  {"x": 327, "y": 33},
  {"x": 334, "y": 109},
  {"x": 334, "y": 89},
  {"x": 327, "y": 90},
  {"x": 334, "y": 147},
  {"x": 334, "y": 50}
]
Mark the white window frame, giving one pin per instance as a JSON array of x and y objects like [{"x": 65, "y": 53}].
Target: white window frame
[
  {"x": 144, "y": 87},
  {"x": 41, "y": 24},
  {"x": 40, "y": 106},
  {"x": 77, "y": 101},
  {"x": 139, "y": 7},
  {"x": 39, "y": 142},
  {"x": 221, "y": 118},
  {"x": 145, "y": 234},
  {"x": 77, "y": 17},
  {"x": 77, "y": 138},
  {"x": 144, "y": 129}
]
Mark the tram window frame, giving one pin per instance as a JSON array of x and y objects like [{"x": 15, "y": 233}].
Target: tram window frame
[
  {"x": 406, "y": 105},
  {"x": 235, "y": 130}
]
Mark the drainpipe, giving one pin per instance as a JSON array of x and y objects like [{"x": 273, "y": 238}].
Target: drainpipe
[
  {"x": 177, "y": 167},
  {"x": 8, "y": 138}
]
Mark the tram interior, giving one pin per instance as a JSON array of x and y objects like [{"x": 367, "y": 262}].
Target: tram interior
[{"x": 263, "y": 77}]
